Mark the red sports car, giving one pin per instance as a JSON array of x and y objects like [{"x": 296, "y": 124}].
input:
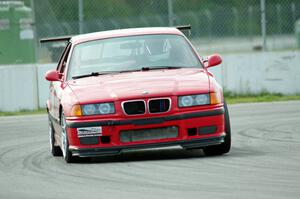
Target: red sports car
[{"x": 133, "y": 89}]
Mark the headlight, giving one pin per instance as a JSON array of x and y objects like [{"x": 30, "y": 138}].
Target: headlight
[
  {"x": 193, "y": 100},
  {"x": 98, "y": 109},
  {"x": 186, "y": 101}
]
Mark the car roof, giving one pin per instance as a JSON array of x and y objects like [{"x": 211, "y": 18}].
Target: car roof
[{"x": 123, "y": 33}]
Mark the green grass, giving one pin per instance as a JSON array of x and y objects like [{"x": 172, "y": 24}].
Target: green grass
[
  {"x": 231, "y": 98},
  {"x": 23, "y": 112}
]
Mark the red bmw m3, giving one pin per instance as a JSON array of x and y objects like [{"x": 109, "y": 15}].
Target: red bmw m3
[{"x": 132, "y": 89}]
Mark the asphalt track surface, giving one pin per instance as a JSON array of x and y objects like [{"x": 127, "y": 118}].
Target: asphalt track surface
[{"x": 264, "y": 163}]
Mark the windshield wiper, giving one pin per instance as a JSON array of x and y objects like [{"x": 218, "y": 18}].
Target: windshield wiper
[
  {"x": 124, "y": 71},
  {"x": 88, "y": 75},
  {"x": 159, "y": 67}
]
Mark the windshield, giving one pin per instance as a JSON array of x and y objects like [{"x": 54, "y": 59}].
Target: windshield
[{"x": 131, "y": 53}]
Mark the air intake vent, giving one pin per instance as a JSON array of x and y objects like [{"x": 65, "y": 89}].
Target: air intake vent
[
  {"x": 159, "y": 105},
  {"x": 149, "y": 134},
  {"x": 134, "y": 107}
]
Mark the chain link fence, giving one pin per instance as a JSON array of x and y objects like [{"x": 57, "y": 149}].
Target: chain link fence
[{"x": 217, "y": 26}]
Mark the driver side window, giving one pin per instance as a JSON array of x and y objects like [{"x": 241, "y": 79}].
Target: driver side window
[{"x": 63, "y": 60}]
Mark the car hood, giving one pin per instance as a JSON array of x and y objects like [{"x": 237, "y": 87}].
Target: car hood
[{"x": 140, "y": 84}]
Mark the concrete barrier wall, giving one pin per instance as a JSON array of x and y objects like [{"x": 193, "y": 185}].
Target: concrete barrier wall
[
  {"x": 256, "y": 72},
  {"x": 24, "y": 86},
  {"x": 18, "y": 87},
  {"x": 43, "y": 85}
]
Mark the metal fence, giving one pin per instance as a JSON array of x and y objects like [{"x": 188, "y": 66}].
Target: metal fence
[{"x": 217, "y": 26}]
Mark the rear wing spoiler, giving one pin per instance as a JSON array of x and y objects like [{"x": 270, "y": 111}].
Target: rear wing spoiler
[
  {"x": 67, "y": 38},
  {"x": 55, "y": 39},
  {"x": 184, "y": 27}
]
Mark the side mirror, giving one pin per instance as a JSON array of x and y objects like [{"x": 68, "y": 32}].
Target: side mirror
[
  {"x": 213, "y": 60},
  {"x": 53, "y": 75}
]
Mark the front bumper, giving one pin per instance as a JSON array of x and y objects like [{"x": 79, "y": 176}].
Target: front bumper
[{"x": 190, "y": 132}]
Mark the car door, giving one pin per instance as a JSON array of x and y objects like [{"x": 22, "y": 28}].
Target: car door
[{"x": 56, "y": 88}]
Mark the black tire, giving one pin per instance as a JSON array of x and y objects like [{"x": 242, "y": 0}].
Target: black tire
[
  {"x": 226, "y": 145},
  {"x": 55, "y": 150},
  {"x": 67, "y": 154}
]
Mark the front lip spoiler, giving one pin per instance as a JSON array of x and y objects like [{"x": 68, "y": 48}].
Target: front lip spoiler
[
  {"x": 145, "y": 121},
  {"x": 188, "y": 144}
]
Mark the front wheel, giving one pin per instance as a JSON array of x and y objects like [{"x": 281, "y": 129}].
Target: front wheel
[
  {"x": 67, "y": 154},
  {"x": 226, "y": 145},
  {"x": 55, "y": 150}
]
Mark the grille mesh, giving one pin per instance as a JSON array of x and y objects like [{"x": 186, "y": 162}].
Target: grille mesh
[
  {"x": 134, "y": 107},
  {"x": 159, "y": 105}
]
